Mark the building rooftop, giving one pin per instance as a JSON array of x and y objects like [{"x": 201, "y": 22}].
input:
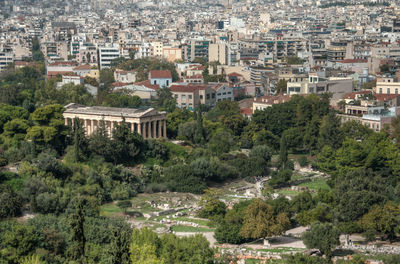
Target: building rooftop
[
  {"x": 160, "y": 74},
  {"x": 109, "y": 111}
]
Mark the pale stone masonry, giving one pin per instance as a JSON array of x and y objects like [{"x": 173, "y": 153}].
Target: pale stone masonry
[{"x": 149, "y": 123}]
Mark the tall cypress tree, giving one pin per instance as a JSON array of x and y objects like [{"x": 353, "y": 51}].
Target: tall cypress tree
[
  {"x": 80, "y": 142},
  {"x": 199, "y": 134},
  {"x": 78, "y": 240},
  {"x": 283, "y": 154}
]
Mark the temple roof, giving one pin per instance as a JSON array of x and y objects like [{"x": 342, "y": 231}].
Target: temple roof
[{"x": 109, "y": 111}]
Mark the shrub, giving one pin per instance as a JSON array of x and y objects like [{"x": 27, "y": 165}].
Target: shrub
[{"x": 303, "y": 161}]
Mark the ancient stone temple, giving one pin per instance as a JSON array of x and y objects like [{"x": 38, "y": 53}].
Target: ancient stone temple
[{"x": 147, "y": 122}]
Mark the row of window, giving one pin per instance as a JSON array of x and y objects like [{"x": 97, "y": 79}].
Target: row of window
[
  {"x": 396, "y": 91},
  {"x": 224, "y": 93}
]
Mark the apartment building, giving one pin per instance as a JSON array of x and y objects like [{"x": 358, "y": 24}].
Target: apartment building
[
  {"x": 106, "y": 54},
  {"x": 6, "y": 58},
  {"x": 218, "y": 52}
]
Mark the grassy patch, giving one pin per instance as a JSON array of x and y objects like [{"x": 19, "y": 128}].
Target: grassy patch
[
  {"x": 110, "y": 210},
  {"x": 288, "y": 192},
  {"x": 181, "y": 228},
  {"x": 175, "y": 149},
  {"x": 152, "y": 161},
  {"x": 316, "y": 185}
]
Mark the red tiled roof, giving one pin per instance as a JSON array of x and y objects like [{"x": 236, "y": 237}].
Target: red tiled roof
[
  {"x": 62, "y": 63},
  {"x": 235, "y": 74},
  {"x": 183, "y": 88},
  {"x": 55, "y": 73},
  {"x": 148, "y": 85},
  {"x": 385, "y": 97},
  {"x": 119, "y": 84},
  {"x": 197, "y": 67},
  {"x": 353, "y": 61},
  {"x": 353, "y": 94},
  {"x": 83, "y": 67},
  {"x": 246, "y": 111},
  {"x": 160, "y": 74}
]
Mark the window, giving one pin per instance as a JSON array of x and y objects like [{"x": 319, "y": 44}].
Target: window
[
  {"x": 201, "y": 97},
  {"x": 224, "y": 94},
  {"x": 208, "y": 96},
  {"x": 380, "y": 90},
  {"x": 190, "y": 96},
  {"x": 176, "y": 96},
  {"x": 396, "y": 91},
  {"x": 167, "y": 82},
  {"x": 155, "y": 82},
  {"x": 229, "y": 92},
  {"x": 218, "y": 93},
  {"x": 183, "y": 97},
  {"x": 213, "y": 95},
  {"x": 388, "y": 90}
]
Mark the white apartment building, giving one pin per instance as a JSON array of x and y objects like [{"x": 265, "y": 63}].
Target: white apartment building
[
  {"x": 5, "y": 59},
  {"x": 107, "y": 54}
]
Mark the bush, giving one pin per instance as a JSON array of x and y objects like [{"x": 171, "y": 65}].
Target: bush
[
  {"x": 155, "y": 187},
  {"x": 125, "y": 204},
  {"x": 303, "y": 161},
  {"x": 281, "y": 177},
  {"x": 122, "y": 192}
]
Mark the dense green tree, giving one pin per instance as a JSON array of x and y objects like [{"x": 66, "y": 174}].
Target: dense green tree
[
  {"x": 10, "y": 202},
  {"x": 212, "y": 207},
  {"x": 260, "y": 222},
  {"x": 199, "y": 134},
  {"x": 165, "y": 101},
  {"x": 381, "y": 220},
  {"x": 220, "y": 142},
  {"x": 49, "y": 128},
  {"x": 322, "y": 236},
  {"x": 311, "y": 134},
  {"x": 355, "y": 130},
  {"x": 120, "y": 245},
  {"x": 356, "y": 192},
  {"x": 329, "y": 132},
  {"x": 80, "y": 142},
  {"x": 281, "y": 86},
  {"x": 126, "y": 145},
  {"x": 78, "y": 239},
  {"x": 283, "y": 152}
]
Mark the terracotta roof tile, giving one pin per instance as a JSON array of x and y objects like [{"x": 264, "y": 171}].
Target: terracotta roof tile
[{"x": 160, "y": 74}]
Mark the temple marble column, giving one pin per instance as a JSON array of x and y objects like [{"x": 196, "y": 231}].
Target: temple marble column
[
  {"x": 159, "y": 128},
  {"x": 165, "y": 129},
  {"x": 154, "y": 128}
]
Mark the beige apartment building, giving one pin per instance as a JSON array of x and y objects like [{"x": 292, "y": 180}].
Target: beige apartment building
[
  {"x": 387, "y": 85},
  {"x": 149, "y": 123},
  {"x": 218, "y": 52},
  {"x": 190, "y": 96},
  {"x": 172, "y": 54}
]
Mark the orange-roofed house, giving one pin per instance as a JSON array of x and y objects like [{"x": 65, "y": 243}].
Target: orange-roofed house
[{"x": 160, "y": 77}]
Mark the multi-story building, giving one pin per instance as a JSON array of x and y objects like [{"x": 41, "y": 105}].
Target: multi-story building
[
  {"x": 6, "y": 58},
  {"x": 106, "y": 54},
  {"x": 218, "y": 52},
  {"x": 387, "y": 85},
  {"x": 125, "y": 76},
  {"x": 196, "y": 49},
  {"x": 189, "y": 96}
]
